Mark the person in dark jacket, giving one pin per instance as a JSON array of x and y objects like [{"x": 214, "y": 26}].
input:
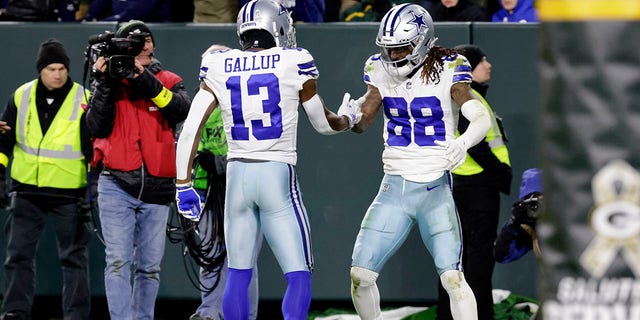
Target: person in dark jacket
[
  {"x": 458, "y": 10},
  {"x": 45, "y": 136},
  {"x": 477, "y": 185},
  {"x": 133, "y": 121},
  {"x": 518, "y": 235}
]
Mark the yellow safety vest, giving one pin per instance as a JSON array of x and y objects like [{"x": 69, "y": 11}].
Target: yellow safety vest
[
  {"x": 54, "y": 160},
  {"x": 493, "y": 138}
]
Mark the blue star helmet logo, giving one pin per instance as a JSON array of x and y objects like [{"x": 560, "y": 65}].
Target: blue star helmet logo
[
  {"x": 283, "y": 10},
  {"x": 418, "y": 20}
]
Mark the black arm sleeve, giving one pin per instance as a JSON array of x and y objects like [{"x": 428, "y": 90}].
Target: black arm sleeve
[
  {"x": 101, "y": 111},
  {"x": 85, "y": 139},
  {"x": 8, "y": 139},
  {"x": 146, "y": 84},
  {"x": 178, "y": 108}
]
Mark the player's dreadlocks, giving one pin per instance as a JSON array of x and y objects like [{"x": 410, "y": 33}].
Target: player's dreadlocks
[{"x": 434, "y": 63}]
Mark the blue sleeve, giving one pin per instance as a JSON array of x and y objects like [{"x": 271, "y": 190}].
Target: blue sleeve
[
  {"x": 511, "y": 244},
  {"x": 515, "y": 252}
]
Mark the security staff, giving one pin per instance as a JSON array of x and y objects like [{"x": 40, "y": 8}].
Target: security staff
[
  {"x": 477, "y": 185},
  {"x": 50, "y": 148}
]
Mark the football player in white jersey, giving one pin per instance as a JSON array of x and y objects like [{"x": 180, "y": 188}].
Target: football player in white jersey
[
  {"x": 258, "y": 89},
  {"x": 421, "y": 89}
]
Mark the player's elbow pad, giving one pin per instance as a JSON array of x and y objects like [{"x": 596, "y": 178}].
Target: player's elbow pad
[
  {"x": 479, "y": 122},
  {"x": 315, "y": 111}
]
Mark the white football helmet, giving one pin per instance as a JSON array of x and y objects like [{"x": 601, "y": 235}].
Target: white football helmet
[
  {"x": 405, "y": 25},
  {"x": 268, "y": 15}
]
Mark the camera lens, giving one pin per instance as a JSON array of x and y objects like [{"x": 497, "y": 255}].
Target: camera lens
[{"x": 121, "y": 66}]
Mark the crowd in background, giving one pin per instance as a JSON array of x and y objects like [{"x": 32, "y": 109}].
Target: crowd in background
[{"x": 221, "y": 11}]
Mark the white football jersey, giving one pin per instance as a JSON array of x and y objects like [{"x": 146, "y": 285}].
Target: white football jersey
[
  {"x": 415, "y": 115},
  {"x": 258, "y": 94}
]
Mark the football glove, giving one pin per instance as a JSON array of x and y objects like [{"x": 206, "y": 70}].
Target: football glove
[
  {"x": 352, "y": 109},
  {"x": 189, "y": 202},
  {"x": 456, "y": 152}
]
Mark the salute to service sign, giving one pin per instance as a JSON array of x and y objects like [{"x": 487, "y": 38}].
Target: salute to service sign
[{"x": 590, "y": 116}]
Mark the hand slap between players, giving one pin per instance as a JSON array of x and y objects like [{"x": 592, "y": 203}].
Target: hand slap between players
[{"x": 352, "y": 109}]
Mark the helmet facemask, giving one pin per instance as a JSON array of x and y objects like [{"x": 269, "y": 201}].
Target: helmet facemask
[
  {"x": 285, "y": 37},
  {"x": 270, "y": 16},
  {"x": 403, "y": 67}
]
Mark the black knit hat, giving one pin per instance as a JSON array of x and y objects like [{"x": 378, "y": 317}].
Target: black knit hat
[
  {"x": 51, "y": 51},
  {"x": 473, "y": 53},
  {"x": 133, "y": 26}
]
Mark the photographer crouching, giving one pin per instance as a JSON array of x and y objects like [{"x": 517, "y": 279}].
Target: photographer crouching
[
  {"x": 132, "y": 117},
  {"x": 518, "y": 235}
]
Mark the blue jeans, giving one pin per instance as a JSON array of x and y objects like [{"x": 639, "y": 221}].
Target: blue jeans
[{"x": 134, "y": 235}]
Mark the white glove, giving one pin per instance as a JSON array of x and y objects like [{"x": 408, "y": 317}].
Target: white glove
[
  {"x": 188, "y": 202},
  {"x": 456, "y": 152},
  {"x": 352, "y": 109}
]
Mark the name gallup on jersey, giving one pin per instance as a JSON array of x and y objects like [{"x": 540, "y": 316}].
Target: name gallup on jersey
[{"x": 255, "y": 62}]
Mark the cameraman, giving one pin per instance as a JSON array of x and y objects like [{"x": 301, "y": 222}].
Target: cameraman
[
  {"x": 518, "y": 236},
  {"x": 133, "y": 122}
]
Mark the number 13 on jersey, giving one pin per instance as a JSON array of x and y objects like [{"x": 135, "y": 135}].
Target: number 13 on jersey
[{"x": 270, "y": 105}]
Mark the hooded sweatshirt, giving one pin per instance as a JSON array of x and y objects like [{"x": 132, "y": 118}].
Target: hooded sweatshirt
[{"x": 523, "y": 12}]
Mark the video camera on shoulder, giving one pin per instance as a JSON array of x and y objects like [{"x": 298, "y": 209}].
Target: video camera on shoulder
[{"x": 118, "y": 52}]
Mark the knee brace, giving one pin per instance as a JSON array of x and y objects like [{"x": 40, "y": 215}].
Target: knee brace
[{"x": 361, "y": 277}]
